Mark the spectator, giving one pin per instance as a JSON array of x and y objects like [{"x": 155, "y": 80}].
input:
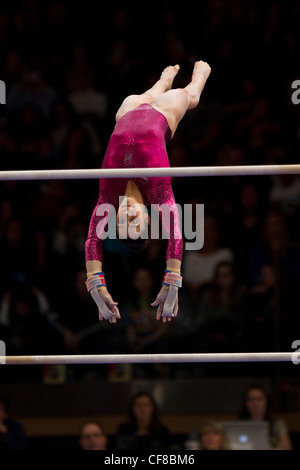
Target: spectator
[
  {"x": 220, "y": 308},
  {"x": 256, "y": 406},
  {"x": 261, "y": 309},
  {"x": 247, "y": 225},
  {"x": 285, "y": 195},
  {"x": 199, "y": 266},
  {"x": 18, "y": 255},
  {"x": 12, "y": 434},
  {"x": 62, "y": 120},
  {"x": 274, "y": 244},
  {"x": 213, "y": 436},
  {"x": 145, "y": 334},
  {"x": 27, "y": 329},
  {"x": 32, "y": 89},
  {"x": 85, "y": 98},
  {"x": 144, "y": 429},
  {"x": 32, "y": 143},
  {"x": 92, "y": 436}
]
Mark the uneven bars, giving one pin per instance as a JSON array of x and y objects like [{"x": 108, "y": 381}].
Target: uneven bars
[
  {"x": 239, "y": 170},
  {"x": 149, "y": 358}
]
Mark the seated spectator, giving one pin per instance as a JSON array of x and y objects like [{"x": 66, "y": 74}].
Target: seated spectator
[
  {"x": 85, "y": 98},
  {"x": 17, "y": 253},
  {"x": 247, "y": 225},
  {"x": 256, "y": 406},
  {"x": 144, "y": 333},
  {"x": 260, "y": 310},
  {"x": 32, "y": 141},
  {"x": 26, "y": 329},
  {"x": 31, "y": 88},
  {"x": 199, "y": 266},
  {"x": 285, "y": 195},
  {"x": 220, "y": 308},
  {"x": 274, "y": 247},
  {"x": 213, "y": 436},
  {"x": 144, "y": 429},
  {"x": 12, "y": 434},
  {"x": 92, "y": 436},
  {"x": 62, "y": 120}
]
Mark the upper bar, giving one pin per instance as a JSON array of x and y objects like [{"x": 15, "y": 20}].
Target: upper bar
[{"x": 239, "y": 170}]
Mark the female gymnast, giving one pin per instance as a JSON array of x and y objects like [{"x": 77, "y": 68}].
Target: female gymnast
[{"x": 144, "y": 124}]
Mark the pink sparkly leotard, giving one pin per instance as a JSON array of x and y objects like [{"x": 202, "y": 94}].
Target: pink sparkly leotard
[{"x": 138, "y": 141}]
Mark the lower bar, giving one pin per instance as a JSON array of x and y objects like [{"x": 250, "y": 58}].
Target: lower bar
[{"x": 151, "y": 358}]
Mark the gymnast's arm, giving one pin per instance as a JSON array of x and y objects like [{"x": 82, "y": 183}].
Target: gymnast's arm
[
  {"x": 95, "y": 283},
  {"x": 167, "y": 299}
]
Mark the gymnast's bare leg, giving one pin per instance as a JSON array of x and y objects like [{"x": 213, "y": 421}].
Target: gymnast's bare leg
[
  {"x": 173, "y": 103},
  {"x": 160, "y": 87}
]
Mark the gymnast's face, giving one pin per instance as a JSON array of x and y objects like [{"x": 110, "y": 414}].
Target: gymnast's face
[{"x": 132, "y": 218}]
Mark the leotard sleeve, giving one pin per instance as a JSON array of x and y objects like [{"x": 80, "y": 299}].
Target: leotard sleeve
[
  {"x": 103, "y": 213},
  {"x": 170, "y": 218}
]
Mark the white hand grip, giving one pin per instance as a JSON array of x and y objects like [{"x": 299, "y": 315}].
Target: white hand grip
[
  {"x": 103, "y": 309},
  {"x": 170, "y": 302}
]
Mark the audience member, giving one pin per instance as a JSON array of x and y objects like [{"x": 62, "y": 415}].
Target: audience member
[
  {"x": 213, "y": 436},
  {"x": 92, "y": 436},
  {"x": 246, "y": 225},
  {"x": 221, "y": 308},
  {"x": 257, "y": 406},
  {"x": 12, "y": 434},
  {"x": 144, "y": 333},
  {"x": 285, "y": 195},
  {"x": 199, "y": 266},
  {"x": 261, "y": 313},
  {"x": 26, "y": 330},
  {"x": 144, "y": 429},
  {"x": 273, "y": 245}
]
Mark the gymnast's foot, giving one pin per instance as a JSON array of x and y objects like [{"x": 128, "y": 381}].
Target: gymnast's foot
[
  {"x": 201, "y": 68},
  {"x": 168, "y": 75}
]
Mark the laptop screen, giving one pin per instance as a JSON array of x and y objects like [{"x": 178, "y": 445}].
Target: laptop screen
[{"x": 247, "y": 435}]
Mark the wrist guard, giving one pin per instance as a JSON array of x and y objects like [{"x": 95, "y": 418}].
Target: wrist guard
[
  {"x": 95, "y": 280},
  {"x": 172, "y": 279}
]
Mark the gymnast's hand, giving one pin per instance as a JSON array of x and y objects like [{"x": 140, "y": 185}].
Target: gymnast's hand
[
  {"x": 107, "y": 308},
  {"x": 167, "y": 302}
]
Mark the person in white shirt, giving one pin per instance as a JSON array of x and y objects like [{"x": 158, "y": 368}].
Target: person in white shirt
[{"x": 199, "y": 266}]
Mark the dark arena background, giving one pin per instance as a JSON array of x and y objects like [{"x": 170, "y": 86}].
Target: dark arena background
[{"x": 67, "y": 67}]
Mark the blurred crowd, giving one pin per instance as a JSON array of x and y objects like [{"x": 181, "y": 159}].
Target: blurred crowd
[
  {"x": 67, "y": 67},
  {"x": 144, "y": 428}
]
